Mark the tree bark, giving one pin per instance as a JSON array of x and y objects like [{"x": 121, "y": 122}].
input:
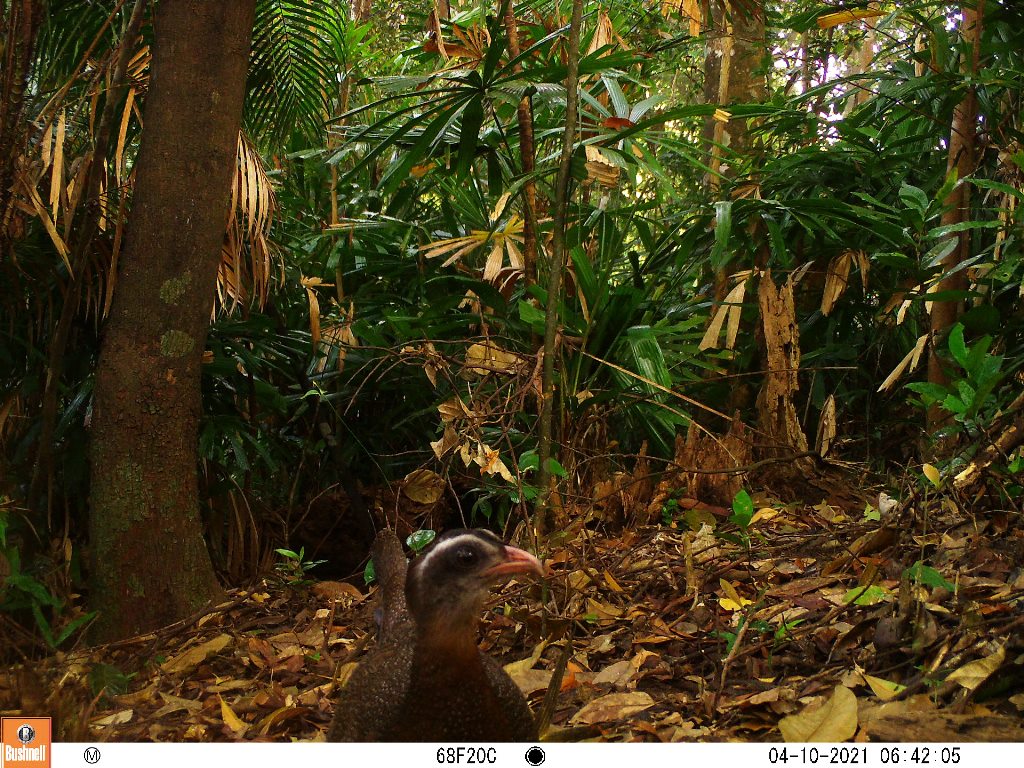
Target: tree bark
[
  {"x": 733, "y": 70},
  {"x": 961, "y": 159},
  {"x": 150, "y": 565}
]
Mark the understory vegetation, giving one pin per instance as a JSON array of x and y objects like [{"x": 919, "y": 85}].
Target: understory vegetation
[{"x": 788, "y": 257}]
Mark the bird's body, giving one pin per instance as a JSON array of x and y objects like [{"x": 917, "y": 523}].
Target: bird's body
[{"x": 427, "y": 680}]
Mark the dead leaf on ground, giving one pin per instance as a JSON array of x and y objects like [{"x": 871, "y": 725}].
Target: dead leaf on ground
[
  {"x": 613, "y": 707},
  {"x": 193, "y": 657},
  {"x": 971, "y": 675},
  {"x": 833, "y": 721}
]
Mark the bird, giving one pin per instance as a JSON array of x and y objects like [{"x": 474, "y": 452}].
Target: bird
[{"x": 426, "y": 679}]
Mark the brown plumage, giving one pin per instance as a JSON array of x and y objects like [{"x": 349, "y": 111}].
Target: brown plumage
[{"x": 427, "y": 680}]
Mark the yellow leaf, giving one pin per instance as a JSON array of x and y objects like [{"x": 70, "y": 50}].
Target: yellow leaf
[
  {"x": 833, "y": 721},
  {"x": 231, "y": 720},
  {"x": 764, "y": 513},
  {"x": 911, "y": 360},
  {"x": 730, "y": 605},
  {"x": 731, "y": 593},
  {"x": 613, "y": 585},
  {"x": 883, "y": 689},
  {"x": 482, "y": 359},
  {"x": 830, "y": 20},
  {"x": 932, "y": 474}
]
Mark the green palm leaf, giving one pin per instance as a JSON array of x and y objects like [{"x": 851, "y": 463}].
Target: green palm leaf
[{"x": 297, "y": 50}]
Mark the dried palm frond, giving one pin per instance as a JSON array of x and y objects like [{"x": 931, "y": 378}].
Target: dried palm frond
[
  {"x": 250, "y": 217},
  {"x": 504, "y": 241}
]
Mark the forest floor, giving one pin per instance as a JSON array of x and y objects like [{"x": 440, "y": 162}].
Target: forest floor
[{"x": 812, "y": 623}]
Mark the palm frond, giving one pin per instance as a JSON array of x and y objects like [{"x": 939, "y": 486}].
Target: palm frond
[{"x": 293, "y": 73}]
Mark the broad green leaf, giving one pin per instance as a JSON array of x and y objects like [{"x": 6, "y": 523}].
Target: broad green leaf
[
  {"x": 723, "y": 229},
  {"x": 913, "y": 197},
  {"x": 419, "y": 539},
  {"x": 472, "y": 119},
  {"x": 742, "y": 509},
  {"x": 556, "y": 469},
  {"x": 871, "y": 595},
  {"x": 957, "y": 346},
  {"x": 925, "y": 574}
]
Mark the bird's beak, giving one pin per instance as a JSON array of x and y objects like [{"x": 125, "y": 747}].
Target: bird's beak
[{"x": 516, "y": 561}]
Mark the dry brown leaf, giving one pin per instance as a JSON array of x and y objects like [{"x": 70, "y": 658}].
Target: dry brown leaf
[
  {"x": 279, "y": 715},
  {"x": 193, "y": 657},
  {"x": 833, "y": 721},
  {"x": 448, "y": 440},
  {"x": 826, "y": 426},
  {"x": 423, "y": 486},
  {"x": 909, "y": 361},
  {"x": 620, "y": 675},
  {"x": 973, "y": 674},
  {"x": 530, "y": 681},
  {"x": 730, "y": 309},
  {"x": 176, "y": 704},
  {"x": 605, "y": 612},
  {"x": 613, "y": 707},
  {"x": 524, "y": 664},
  {"x": 836, "y": 280},
  {"x": 118, "y": 718},
  {"x": 482, "y": 359}
]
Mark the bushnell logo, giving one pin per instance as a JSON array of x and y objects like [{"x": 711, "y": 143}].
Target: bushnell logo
[
  {"x": 25, "y": 734},
  {"x": 25, "y": 742}
]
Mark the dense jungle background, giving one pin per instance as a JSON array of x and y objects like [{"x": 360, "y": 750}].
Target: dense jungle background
[{"x": 717, "y": 305}]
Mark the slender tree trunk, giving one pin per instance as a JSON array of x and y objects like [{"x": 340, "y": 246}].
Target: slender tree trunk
[
  {"x": 559, "y": 254},
  {"x": 734, "y": 74},
  {"x": 961, "y": 159},
  {"x": 150, "y": 564}
]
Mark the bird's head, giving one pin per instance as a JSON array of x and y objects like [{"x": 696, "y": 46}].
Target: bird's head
[{"x": 448, "y": 584}]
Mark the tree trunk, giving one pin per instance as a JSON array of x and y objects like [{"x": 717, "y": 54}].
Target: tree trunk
[
  {"x": 962, "y": 139},
  {"x": 150, "y": 563},
  {"x": 734, "y": 71}
]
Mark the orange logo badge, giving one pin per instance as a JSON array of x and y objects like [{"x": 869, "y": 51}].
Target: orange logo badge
[{"x": 25, "y": 742}]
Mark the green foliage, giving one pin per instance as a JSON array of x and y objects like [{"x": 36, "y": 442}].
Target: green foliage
[
  {"x": 742, "y": 509},
  {"x": 418, "y": 540},
  {"x": 108, "y": 681},
  {"x": 971, "y": 396},
  {"x": 298, "y": 48},
  {"x": 920, "y": 573},
  {"x": 294, "y": 567},
  {"x": 24, "y": 590}
]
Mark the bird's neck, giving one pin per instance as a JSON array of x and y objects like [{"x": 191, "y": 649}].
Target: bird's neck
[{"x": 448, "y": 636}]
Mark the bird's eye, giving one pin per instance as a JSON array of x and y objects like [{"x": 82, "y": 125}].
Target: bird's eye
[{"x": 465, "y": 555}]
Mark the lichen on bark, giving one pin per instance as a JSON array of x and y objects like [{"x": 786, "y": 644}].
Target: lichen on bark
[
  {"x": 176, "y": 344},
  {"x": 174, "y": 288}
]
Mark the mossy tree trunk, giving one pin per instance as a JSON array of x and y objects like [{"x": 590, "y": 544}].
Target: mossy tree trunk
[{"x": 150, "y": 565}]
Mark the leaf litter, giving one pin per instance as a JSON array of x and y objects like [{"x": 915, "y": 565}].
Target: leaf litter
[{"x": 816, "y": 622}]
